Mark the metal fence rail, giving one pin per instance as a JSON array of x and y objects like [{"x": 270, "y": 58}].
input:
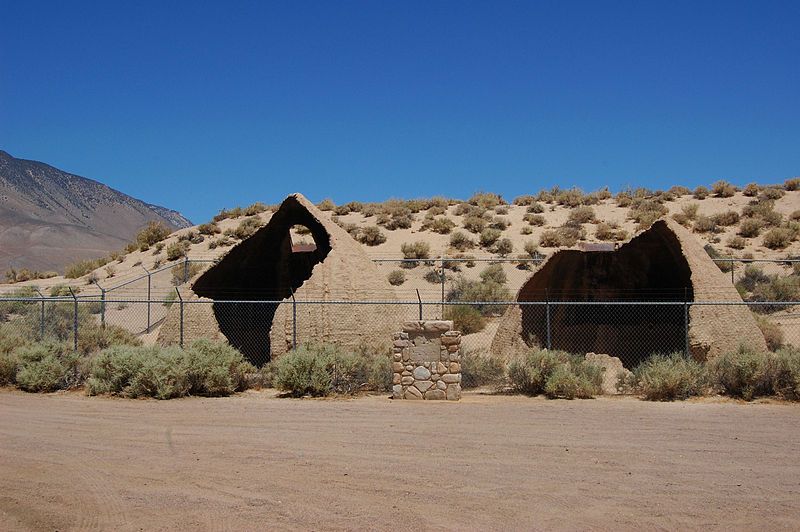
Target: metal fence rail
[{"x": 631, "y": 330}]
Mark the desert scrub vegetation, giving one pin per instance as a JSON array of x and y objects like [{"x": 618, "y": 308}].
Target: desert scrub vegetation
[
  {"x": 723, "y": 189},
  {"x": 751, "y": 190},
  {"x": 490, "y": 289},
  {"x": 610, "y": 232},
  {"x": 247, "y": 227},
  {"x": 82, "y": 267},
  {"x": 736, "y": 242},
  {"x": 371, "y": 235},
  {"x": 466, "y": 318},
  {"x": 779, "y": 237},
  {"x": 152, "y": 233},
  {"x": 474, "y": 224},
  {"x": 461, "y": 241},
  {"x": 668, "y": 378},
  {"x": 489, "y": 236},
  {"x": 726, "y": 218},
  {"x": 177, "y": 250},
  {"x": 772, "y": 332},
  {"x": 442, "y": 226},
  {"x": 645, "y": 212},
  {"x": 554, "y": 373},
  {"x": 536, "y": 220},
  {"x": 704, "y": 224},
  {"x": 486, "y": 200},
  {"x": 743, "y": 373},
  {"x": 792, "y": 184},
  {"x": 396, "y": 277},
  {"x": 415, "y": 250},
  {"x": 481, "y": 369},
  {"x": 564, "y": 236},
  {"x": 700, "y": 193},
  {"x": 750, "y": 227},
  {"x": 503, "y": 247},
  {"x": 24, "y": 274},
  {"x": 203, "y": 368},
  {"x": 581, "y": 215},
  {"x": 326, "y": 205},
  {"x": 208, "y": 229},
  {"x": 324, "y": 369},
  {"x": 181, "y": 273}
]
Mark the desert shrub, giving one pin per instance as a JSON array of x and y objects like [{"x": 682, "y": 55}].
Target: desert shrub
[
  {"x": 690, "y": 210},
  {"x": 396, "y": 277},
  {"x": 700, "y": 193},
  {"x": 326, "y": 205},
  {"x": 750, "y": 227},
  {"x": 524, "y": 200},
  {"x": 503, "y": 247},
  {"x": 486, "y": 200},
  {"x": 152, "y": 233},
  {"x": 93, "y": 338},
  {"x": 247, "y": 227},
  {"x": 576, "y": 379},
  {"x": 742, "y": 373},
  {"x": 177, "y": 250},
  {"x": 463, "y": 290},
  {"x": 525, "y": 230},
  {"x": 79, "y": 268},
  {"x": 736, "y": 242},
  {"x": 46, "y": 367},
  {"x": 645, "y": 212},
  {"x": 62, "y": 290},
  {"x": 778, "y": 288},
  {"x": 785, "y": 373},
  {"x": 416, "y": 250},
  {"x": 752, "y": 276},
  {"x": 534, "y": 208},
  {"x": 181, "y": 273},
  {"x": 228, "y": 213},
  {"x": 554, "y": 373},
  {"x": 488, "y": 237},
  {"x": 581, "y": 215},
  {"x": 795, "y": 216},
  {"x": 8, "y": 368},
  {"x": 771, "y": 194},
  {"x": 679, "y": 190},
  {"x": 461, "y": 241},
  {"x": 474, "y": 224},
  {"x": 726, "y": 218},
  {"x": 323, "y": 369},
  {"x": 549, "y": 238},
  {"x": 751, "y": 190},
  {"x": 723, "y": 265},
  {"x": 763, "y": 210},
  {"x": 499, "y": 223},
  {"x": 479, "y": 369},
  {"x": 772, "y": 332},
  {"x": 371, "y": 235},
  {"x": 534, "y": 219},
  {"x": 203, "y": 368},
  {"x": 570, "y": 198},
  {"x": 792, "y": 184},
  {"x": 189, "y": 236},
  {"x": 669, "y": 378},
  {"x": 442, "y": 226},
  {"x": 208, "y": 229},
  {"x": 399, "y": 221},
  {"x": 494, "y": 274},
  {"x": 704, "y": 224},
  {"x": 778, "y": 237},
  {"x": 222, "y": 241},
  {"x": 607, "y": 232},
  {"x": 723, "y": 189},
  {"x": 501, "y": 209},
  {"x": 434, "y": 276},
  {"x": 466, "y": 318}
]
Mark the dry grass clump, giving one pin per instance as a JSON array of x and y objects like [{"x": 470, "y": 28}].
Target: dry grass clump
[
  {"x": 225, "y": 214},
  {"x": 772, "y": 332},
  {"x": 20, "y": 276},
  {"x": 524, "y": 200},
  {"x": 564, "y": 236},
  {"x": 177, "y": 250},
  {"x": 503, "y": 247},
  {"x": 208, "y": 229},
  {"x": 704, "y": 224},
  {"x": 679, "y": 190},
  {"x": 554, "y": 373},
  {"x": 481, "y": 369},
  {"x": 572, "y": 197},
  {"x": 222, "y": 241},
  {"x": 461, "y": 241},
  {"x": 534, "y": 219},
  {"x": 466, "y": 318},
  {"x": 416, "y": 250},
  {"x": 700, "y": 193},
  {"x": 443, "y": 226},
  {"x": 743, "y": 373},
  {"x": 245, "y": 229},
  {"x": 371, "y": 235},
  {"x": 723, "y": 189},
  {"x": 792, "y": 184},
  {"x": 771, "y": 194},
  {"x": 726, "y": 218},
  {"x": 610, "y": 232},
  {"x": 764, "y": 211},
  {"x": 324, "y": 369},
  {"x": 668, "y": 378}
]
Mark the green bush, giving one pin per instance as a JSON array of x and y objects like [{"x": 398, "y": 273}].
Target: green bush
[
  {"x": 461, "y": 241},
  {"x": 778, "y": 237},
  {"x": 416, "y": 250},
  {"x": 152, "y": 233},
  {"x": 528, "y": 373},
  {"x": 577, "y": 379},
  {"x": 474, "y": 224},
  {"x": 581, "y": 215},
  {"x": 47, "y": 367},
  {"x": 8, "y": 368},
  {"x": 464, "y": 290},
  {"x": 534, "y": 219},
  {"x": 494, "y": 273},
  {"x": 480, "y": 369},
  {"x": 785, "y": 373},
  {"x": 726, "y": 218},
  {"x": 742, "y": 373},
  {"x": 466, "y": 318},
  {"x": 669, "y": 378},
  {"x": 324, "y": 369},
  {"x": 503, "y": 247},
  {"x": 177, "y": 250},
  {"x": 203, "y": 368}
]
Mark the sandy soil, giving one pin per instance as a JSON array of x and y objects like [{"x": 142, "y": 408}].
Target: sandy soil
[{"x": 488, "y": 462}]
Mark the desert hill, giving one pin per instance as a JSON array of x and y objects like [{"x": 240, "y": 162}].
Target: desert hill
[{"x": 49, "y": 217}]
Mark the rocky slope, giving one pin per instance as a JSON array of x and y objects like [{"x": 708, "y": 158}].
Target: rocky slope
[{"x": 49, "y": 218}]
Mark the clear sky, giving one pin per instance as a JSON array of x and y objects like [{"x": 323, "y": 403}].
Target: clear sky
[{"x": 203, "y": 105}]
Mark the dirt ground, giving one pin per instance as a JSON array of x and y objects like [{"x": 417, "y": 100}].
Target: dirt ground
[{"x": 488, "y": 462}]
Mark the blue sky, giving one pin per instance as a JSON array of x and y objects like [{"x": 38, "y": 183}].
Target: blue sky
[{"x": 203, "y": 105}]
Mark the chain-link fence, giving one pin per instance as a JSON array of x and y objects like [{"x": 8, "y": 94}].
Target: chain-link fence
[{"x": 630, "y": 330}]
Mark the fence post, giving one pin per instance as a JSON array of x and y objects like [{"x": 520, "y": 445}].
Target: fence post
[
  {"x": 74, "y": 319},
  {"x": 294, "y": 321},
  {"x": 547, "y": 309},
  {"x": 148, "y": 295},
  {"x": 443, "y": 281},
  {"x": 180, "y": 299},
  {"x": 420, "y": 305},
  {"x": 185, "y": 269},
  {"x": 41, "y": 316},
  {"x": 686, "y": 320},
  {"x": 733, "y": 269}
]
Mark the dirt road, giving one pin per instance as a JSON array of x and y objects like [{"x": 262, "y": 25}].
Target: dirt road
[{"x": 255, "y": 462}]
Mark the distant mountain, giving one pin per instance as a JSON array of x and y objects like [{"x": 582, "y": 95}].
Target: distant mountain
[{"x": 49, "y": 218}]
